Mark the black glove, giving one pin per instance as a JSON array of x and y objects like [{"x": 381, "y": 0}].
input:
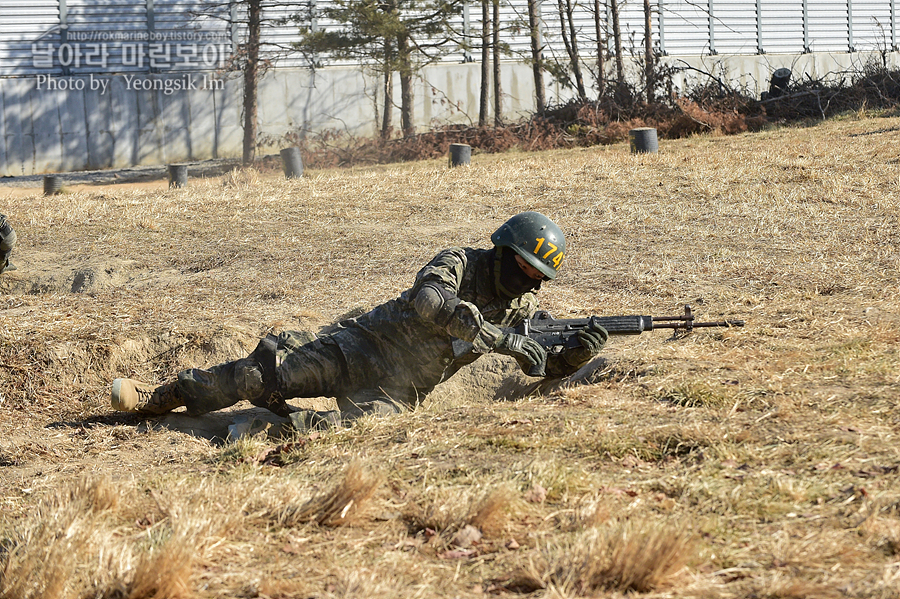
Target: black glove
[
  {"x": 592, "y": 340},
  {"x": 525, "y": 350}
]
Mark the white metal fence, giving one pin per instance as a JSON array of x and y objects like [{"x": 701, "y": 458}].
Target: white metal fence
[{"x": 71, "y": 37}]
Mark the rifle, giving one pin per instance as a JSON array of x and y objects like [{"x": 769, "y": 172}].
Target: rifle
[{"x": 557, "y": 334}]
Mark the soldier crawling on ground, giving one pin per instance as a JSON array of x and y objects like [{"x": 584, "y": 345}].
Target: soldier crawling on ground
[
  {"x": 387, "y": 360},
  {"x": 7, "y": 242}
]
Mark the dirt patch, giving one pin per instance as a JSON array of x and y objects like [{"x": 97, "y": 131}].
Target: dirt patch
[{"x": 45, "y": 272}]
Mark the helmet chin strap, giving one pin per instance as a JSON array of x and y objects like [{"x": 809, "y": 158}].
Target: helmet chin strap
[{"x": 510, "y": 280}]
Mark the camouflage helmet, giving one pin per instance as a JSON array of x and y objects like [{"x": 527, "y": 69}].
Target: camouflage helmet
[{"x": 534, "y": 237}]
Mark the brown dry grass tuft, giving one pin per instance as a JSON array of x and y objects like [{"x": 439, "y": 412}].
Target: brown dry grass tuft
[
  {"x": 38, "y": 559},
  {"x": 491, "y": 515},
  {"x": 441, "y": 510},
  {"x": 85, "y": 538},
  {"x": 347, "y": 503},
  {"x": 623, "y": 556},
  {"x": 164, "y": 574}
]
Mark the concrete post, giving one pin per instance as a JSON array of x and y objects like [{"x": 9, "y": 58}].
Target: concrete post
[
  {"x": 643, "y": 140},
  {"x": 292, "y": 163},
  {"x": 460, "y": 154},
  {"x": 178, "y": 175}
]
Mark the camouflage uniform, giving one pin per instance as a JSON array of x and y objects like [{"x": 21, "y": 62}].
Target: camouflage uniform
[{"x": 384, "y": 361}]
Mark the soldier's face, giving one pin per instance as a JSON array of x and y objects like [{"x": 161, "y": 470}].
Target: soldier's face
[{"x": 529, "y": 269}]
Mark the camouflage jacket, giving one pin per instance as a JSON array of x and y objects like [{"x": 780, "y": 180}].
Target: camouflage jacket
[{"x": 392, "y": 346}]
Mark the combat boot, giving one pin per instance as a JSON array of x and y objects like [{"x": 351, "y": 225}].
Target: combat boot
[
  {"x": 129, "y": 395},
  {"x": 305, "y": 421}
]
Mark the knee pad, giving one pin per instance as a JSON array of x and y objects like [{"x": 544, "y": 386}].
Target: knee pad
[
  {"x": 264, "y": 356},
  {"x": 249, "y": 381}
]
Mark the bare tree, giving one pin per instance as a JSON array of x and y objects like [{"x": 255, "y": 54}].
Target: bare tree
[
  {"x": 387, "y": 125},
  {"x": 648, "y": 52},
  {"x": 485, "y": 62},
  {"x": 570, "y": 40},
  {"x": 405, "y": 68},
  {"x": 498, "y": 97},
  {"x": 601, "y": 62},
  {"x": 617, "y": 38},
  {"x": 251, "y": 80},
  {"x": 537, "y": 60}
]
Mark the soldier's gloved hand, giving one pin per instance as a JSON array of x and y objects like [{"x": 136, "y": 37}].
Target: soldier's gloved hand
[
  {"x": 524, "y": 349},
  {"x": 592, "y": 340}
]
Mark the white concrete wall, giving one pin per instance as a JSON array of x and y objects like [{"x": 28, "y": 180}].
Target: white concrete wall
[{"x": 109, "y": 121}]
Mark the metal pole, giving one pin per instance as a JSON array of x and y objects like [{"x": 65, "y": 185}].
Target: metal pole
[
  {"x": 151, "y": 30},
  {"x": 894, "y": 25},
  {"x": 467, "y": 56},
  {"x": 63, "y": 28},
  {"x": 151, "y": 18},
  {"x": 712, "y": 30},
  {"x": 806, "y": 48},
  {"x": 759, "y": 43},
  {"x": 850, "y": 47},
  {"x": 662, "y": 31}
]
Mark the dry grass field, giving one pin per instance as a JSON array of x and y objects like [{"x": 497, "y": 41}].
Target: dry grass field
[{"x": 758, "y": 462}]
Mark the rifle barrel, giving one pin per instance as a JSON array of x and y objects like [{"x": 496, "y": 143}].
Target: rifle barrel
[{"x": 679, "y": 324}]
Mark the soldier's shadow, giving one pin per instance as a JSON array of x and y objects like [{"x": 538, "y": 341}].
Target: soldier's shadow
[
  {"x": 219, "y": 427},
  {"x": 216, "y": 427},
  {"x": 519, "y": 387}
]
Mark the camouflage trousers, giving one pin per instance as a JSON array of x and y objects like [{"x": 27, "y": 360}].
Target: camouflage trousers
[{"x": 293, "y": 365}]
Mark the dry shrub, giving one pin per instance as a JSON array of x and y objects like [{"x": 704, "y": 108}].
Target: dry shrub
[
  {"x": 193, "y": 520},
  {"x": 345, "y": 504},
  {"x": 708, "y": 119},
  {"x": 625, "y": 557}
]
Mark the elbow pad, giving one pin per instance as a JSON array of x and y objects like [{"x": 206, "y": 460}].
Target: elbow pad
[{"x": 436, "y": 304}]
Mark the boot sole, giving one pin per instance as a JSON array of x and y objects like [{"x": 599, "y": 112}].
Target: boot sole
[{"x": 115, "y": 398}]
